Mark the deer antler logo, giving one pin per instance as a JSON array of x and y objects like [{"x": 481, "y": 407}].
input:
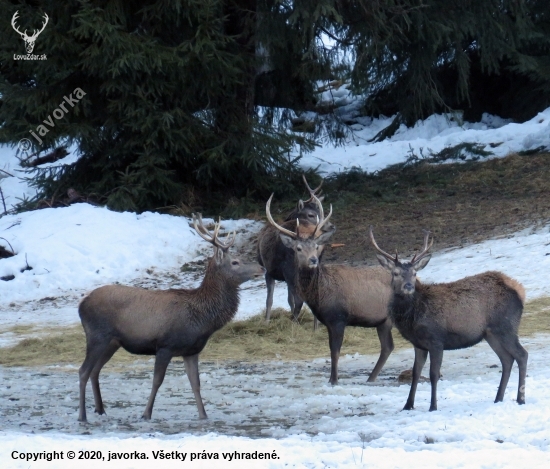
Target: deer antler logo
[{"x": 29, "y": 40}]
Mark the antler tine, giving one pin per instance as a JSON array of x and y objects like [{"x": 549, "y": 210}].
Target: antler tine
[
  {"x": 425, "y": 248},
  {"x": 312, "y": 192},
  {"x": 217, "y": 227},
  {"x": 270, "y": 219},
  {"x": 201, "y": 224},
  {"x": 320, "y": 206},
  {"x": 228, "y": 243},
  {"x": 232, "y": 241},
  {"x": 384, "y": 253},
  {"x": 200, "y": 229},
  {"x": 36, "y": 32},
  {"x": 322, "y": 221},
  {"x": 14, "y": 26},
  {"x": 212, "y": 237}
]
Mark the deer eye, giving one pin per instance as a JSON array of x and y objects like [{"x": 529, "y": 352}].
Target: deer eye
[
  {"x": 235, "y": 263},
  {"x": 298, "y": 248}
]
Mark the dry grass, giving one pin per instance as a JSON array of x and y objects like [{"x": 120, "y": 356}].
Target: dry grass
[
  {"x": 283, "y": 339},
  {"x": 250, "y": 340},
  {"x": 536, "y": 318}
]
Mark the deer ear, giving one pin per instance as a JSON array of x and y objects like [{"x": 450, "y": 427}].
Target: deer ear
[
  {"x": 323, "y": 239},
  {"x": 300, "y": 205},
  {"x": 422, "y": 263},
  {"x": 287, "y": 240},
  {"x": 321, "y": 198},
  {"x": 386, "y": 263}
]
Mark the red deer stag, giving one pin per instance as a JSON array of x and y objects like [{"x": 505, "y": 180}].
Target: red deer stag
[
  {"x": 450, "y": 316},
  {"x": 278, "y": 259},
  {"x": 339, "y": 295},
  {"x": 165, "y": 323}
]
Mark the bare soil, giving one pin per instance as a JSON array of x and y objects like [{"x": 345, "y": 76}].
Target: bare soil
[{"x": 460, "y": 203}]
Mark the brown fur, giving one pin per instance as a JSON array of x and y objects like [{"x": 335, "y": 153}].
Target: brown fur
[
  {"x": 362, "y": 292},
  {"x": 279, "y": 264},
  {"x": 515, "y": 285},
  {"x": 341, "y": 296},
  {"x": 449, "y": 316},
  {"x": 164, "y": 323}
]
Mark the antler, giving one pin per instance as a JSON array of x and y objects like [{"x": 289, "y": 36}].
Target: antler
[
  {"x": 425, "y": 248},
  {"x": 46, "y": 17},
  {"x": 279, "y": 227},
  {"x": 384, "y": 253},
  {"x": 322, "y": 221},
  {"x": 212, "y": 237},
  {"x": 312, "y": 192},
  {"x": 13, "y": 20},
  {"x": 24, "y": 35}
]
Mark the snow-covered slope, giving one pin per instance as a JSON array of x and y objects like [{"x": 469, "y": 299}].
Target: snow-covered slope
[
  {"x": 72, "y": 250},
  {"x": 494, "y": 134}
]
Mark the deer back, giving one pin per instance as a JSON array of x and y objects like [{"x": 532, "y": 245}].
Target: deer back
[
  {"x": 464, "y": 308},
  {"x": 362, "y": 294}
]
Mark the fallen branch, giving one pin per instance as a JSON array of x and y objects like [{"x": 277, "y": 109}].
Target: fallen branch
[
  {"x": 3, "y": 200},
  {"x": 52, "y": 157}
]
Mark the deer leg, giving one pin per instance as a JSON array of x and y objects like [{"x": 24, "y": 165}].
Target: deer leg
[
  {"x": 296, "y": 306},
  {"x": 298, "y": 303},
  {"x": 192, "y": 370},
  {"x": 420, "y": 357},
  {"x": 94, "y": 351},
  {"x": 520, "y": 355},
  {"x": 94, "y": 375},
  {"x": 291, "y": 301},
  {"x": 162, "y": 360},
  {"x": 294, "y": 300},
  {"x": 335, "y": 338},
  {"x": 386, "y": 347},
  {"x": 270, "y": 283},
  {"x": 436, "y": 358},
  {"x": 315, "y": 323},
  {"x": 506, "y": 359}
]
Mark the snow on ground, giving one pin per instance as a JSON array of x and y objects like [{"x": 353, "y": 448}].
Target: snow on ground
[
  {"x": 289, "y": 408},
  {"x": 437, "y": 132},
  {"x": 82, "y": 246},
  {"x": 75, "y": 249},
  {"x": 278, "y": 406}
]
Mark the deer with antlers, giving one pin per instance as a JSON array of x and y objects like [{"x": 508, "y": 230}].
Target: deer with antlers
[
  {"x": 450, "y": 316},
  {"x": 164, "y": 323},
  {"x": 338, "y": 295},
  {"x": 278, "y": 259},
  {"x": 29, "y": 40}
]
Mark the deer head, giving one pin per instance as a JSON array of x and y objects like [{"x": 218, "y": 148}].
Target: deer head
[
  {"x": 403, "y": 272},
  {"x": 29, "y": 40},
  {"x": 308, "y": 248},
  {"x": 232, "y": 267}
]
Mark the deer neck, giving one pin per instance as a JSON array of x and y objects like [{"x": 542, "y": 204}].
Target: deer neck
[
  {"x": 308, "y": 284},
  {"x": 216, "y": 300},
  {"x": 404, "y": 309}
]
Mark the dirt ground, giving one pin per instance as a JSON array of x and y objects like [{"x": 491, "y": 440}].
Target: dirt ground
[{"x": 459, "y": 203}]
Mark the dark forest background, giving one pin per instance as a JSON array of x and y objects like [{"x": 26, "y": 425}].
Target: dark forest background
[{"x": 194, "y": 101}]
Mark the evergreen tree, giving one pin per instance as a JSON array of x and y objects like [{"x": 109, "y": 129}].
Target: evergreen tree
[
  {"x": 197, "y": 95},
  {"x": 169, "y": 100},
  {"x": 417, "y": 57}
]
